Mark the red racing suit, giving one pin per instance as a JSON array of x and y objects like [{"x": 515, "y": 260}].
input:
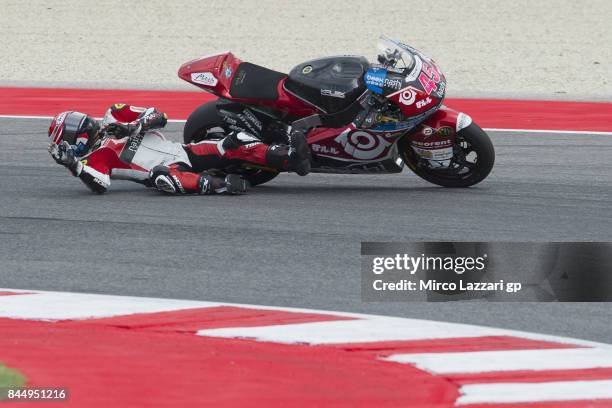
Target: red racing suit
[{"x": 137, "y": 156}]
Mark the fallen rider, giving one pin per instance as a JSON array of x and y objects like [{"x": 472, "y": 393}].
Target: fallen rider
[{"x": 125, "y": 145}]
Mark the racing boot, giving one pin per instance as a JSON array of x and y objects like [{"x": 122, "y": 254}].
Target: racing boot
[
  {"x": 236, "y": 139},
  {"x": 299, "y": 153},
  {"x": 178, "y": 179},
  {"x": 232, "y": 184},
  {"x": 235, "y": 184},
  {"x": 277, "y": 157}
]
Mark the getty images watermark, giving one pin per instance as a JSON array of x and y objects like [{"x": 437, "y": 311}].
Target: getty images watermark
[
  {"x": 411, "y": 265},
  {"x": 489, "y": 271}
]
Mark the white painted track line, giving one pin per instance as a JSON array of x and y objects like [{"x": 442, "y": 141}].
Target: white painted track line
[
  {"x": 60, "y": 306},
  {"x": 564, "y": 132},
  {"x": 47, "y": 305},
  {"x": 51, "y": 117},
  {"x": 487, "y": 361},
  {"x": 534, "y": 392},
  {"x": 355, "y": 331},
  {"x": 568, "y": 132}
]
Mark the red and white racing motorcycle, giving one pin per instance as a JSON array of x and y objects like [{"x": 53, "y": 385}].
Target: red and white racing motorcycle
[{"x": 361, "y": 117}]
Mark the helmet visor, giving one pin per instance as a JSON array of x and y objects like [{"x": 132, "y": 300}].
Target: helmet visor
[{"x": 72, "y": 125}]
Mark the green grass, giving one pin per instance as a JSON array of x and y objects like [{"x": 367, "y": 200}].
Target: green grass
[{"x": 9, "y": 378}]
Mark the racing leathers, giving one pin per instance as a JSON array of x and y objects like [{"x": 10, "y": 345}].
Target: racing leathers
[{"x": 131, "y": 149}]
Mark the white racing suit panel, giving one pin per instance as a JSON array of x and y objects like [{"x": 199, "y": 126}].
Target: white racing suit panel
[{"x": 152, "y": 149}]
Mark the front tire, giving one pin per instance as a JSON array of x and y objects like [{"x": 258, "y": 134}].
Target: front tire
[
  {"x": 472, "y": 162},
  {"x": 205, "y": 123}
]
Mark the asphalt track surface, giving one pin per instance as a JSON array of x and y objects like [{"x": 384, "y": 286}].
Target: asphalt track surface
[{"x": 296, "y": 241}]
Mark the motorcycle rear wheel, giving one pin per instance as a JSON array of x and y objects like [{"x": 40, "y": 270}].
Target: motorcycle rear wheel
[
  {"x": 205, "y": 123},
  {"x": 472, "y": 162}
]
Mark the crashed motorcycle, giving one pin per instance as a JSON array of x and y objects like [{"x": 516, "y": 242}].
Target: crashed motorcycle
[{"x": 359, "y": 117}]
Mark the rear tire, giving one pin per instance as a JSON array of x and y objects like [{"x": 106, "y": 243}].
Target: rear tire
[
  {"x": 471, "y": 139},
  {"x": 201, "y": 126},
  {"x": 205, "y": 118}
]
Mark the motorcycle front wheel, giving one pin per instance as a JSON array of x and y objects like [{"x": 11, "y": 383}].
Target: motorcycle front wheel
[{"x": 473, "y": 158}]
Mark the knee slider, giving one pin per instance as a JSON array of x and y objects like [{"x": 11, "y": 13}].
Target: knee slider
[{"x": 165, "y": 182}]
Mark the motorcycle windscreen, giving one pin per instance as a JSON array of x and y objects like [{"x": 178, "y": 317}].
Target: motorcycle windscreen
[{"x": 402, "y": 54}]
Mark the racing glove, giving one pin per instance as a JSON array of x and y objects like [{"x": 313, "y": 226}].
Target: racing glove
[
  {"x": 151, "y": 119},
  {"x": 63, "y": 154},
  {"x": 122, "y": 130}
]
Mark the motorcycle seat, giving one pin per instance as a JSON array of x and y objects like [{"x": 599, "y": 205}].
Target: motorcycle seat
[
  {"x": 255, "y": 82},
  {"x": 331, "y": 84}
]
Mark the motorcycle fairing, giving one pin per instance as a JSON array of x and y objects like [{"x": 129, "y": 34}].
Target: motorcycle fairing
[
  {"x": 353, "y": 150},
  {"x": 212, "y": 73},
  {"x": 351, "y": 144},
  {"x": 227, "y": 77},
  {"x": 444, "y": 117},
  {"x": 331, "y": 84},
  {"x": 328, "y": 87},
  {"x": 424, "y": 85},
  {"x": 434, "y": 139},
  {"x": 393, "y": 164}
]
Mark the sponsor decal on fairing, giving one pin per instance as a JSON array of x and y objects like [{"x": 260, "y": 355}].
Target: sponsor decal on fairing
[
  {"x": 226, "y": 69},
  {"x": 434, "y": 154},
  {"x": 393, "y": 83},
  {"x": 423, "y": 102},
  {"x": 324, "y": 149},
  {"x": 437, "y": 152},
  {"x": 463, "y": 121},
  {"x": 434, "y": 143},
  {"x": 408, "y": 96},
  {"x": 362, "y": 145},
  {"x": 335, "y": 94},
  {"x": 204, "y": 78},
  {"x": 429, "y": 78},
  {"x": 376, "y": 79}
]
